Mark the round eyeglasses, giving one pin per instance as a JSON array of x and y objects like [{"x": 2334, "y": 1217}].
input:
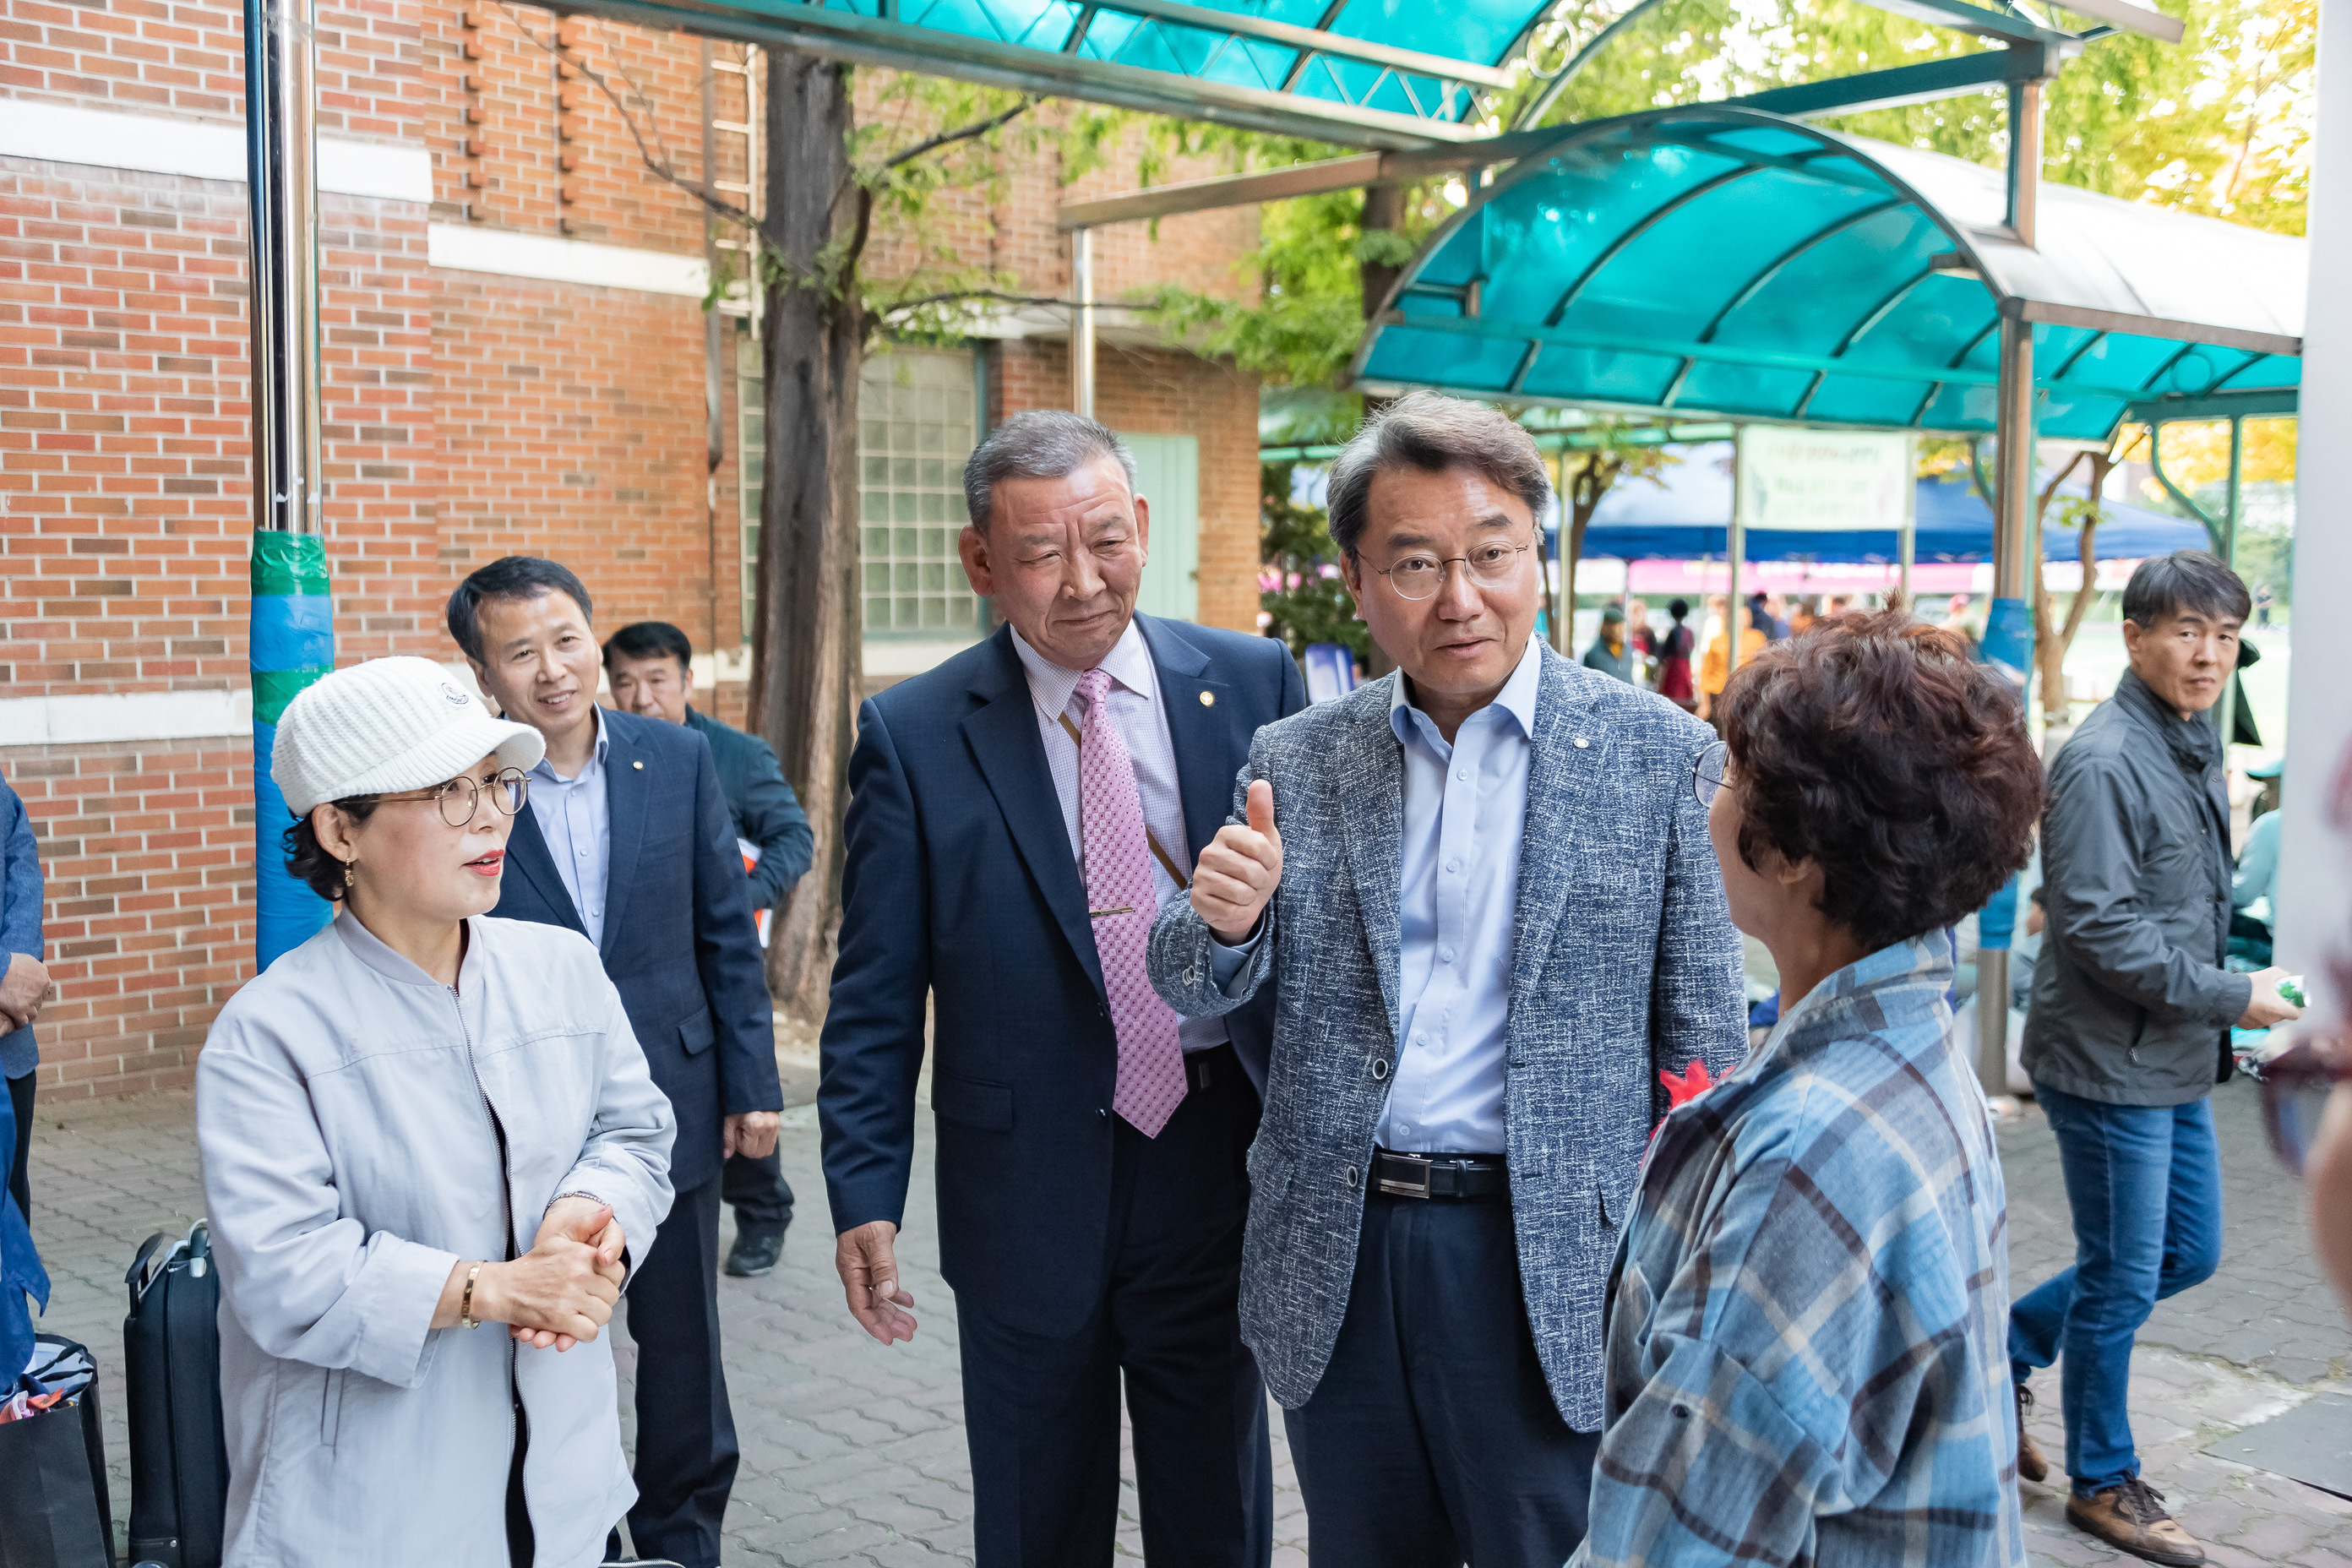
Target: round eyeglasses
[
  {"x": 1706, "y": 773},
  {"x": 1418, "y": 575},
  {"x": 461, "y": 798}
]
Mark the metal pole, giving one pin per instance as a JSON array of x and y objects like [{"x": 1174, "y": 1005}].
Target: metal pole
[
  {"x": 2008, "y": 631},
  {"x": 2024, "y": 159},
  {"x": 2226, "y": 714},
  {"x": 1082, "y": 322},
  {"x": 1735, "y": 545},
  {"x": 291, "y": 640}
]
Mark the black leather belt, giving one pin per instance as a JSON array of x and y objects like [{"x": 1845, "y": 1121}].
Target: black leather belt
[
  {"x": 1207, "y": 1069},
  {"x": 1466, "y": 1177}
]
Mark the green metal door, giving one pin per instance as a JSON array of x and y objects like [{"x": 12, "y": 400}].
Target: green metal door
[{"x": 1168, "y": 477}]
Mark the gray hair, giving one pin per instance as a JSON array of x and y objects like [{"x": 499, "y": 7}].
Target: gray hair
[
  {"x": 1431, "y": 432},
  {"x": 2187, "y": 582},
  {"x": 1042, "y": 443}
]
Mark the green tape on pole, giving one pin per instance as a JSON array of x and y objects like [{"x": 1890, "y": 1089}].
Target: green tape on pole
[
  {"x": 290, "y": 563},
  {"x": 274, "y": 689}
]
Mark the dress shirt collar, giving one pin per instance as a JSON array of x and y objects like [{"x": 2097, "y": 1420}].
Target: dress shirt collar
[
  {"x": 543, "y": 769},
  {"x": 1128, "y": 663},
  {"x": 1516, "y": 699}
]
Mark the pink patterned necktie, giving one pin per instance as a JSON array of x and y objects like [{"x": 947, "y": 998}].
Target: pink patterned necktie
[{"x": 1120, "y": 899}]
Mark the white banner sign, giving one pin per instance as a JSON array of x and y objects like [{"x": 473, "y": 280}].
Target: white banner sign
[{"x": 1820, "y": 482}]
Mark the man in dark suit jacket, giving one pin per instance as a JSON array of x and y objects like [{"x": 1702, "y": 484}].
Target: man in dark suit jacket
[
  {"x": 627, "y": 840},
  {"x": 650, "y": 667},
  {"x": 1091, "y": 1186}
]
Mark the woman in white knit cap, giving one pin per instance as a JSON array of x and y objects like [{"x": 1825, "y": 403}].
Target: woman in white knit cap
[{"x": 421, "y": 1121}]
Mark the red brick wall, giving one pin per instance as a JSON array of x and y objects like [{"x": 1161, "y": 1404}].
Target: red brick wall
[{"x": 148, "y": 850}]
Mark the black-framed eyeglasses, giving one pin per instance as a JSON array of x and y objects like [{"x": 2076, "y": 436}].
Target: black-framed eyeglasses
[
  {"x": 1706, "y": 773},
  {"x": 461, "y": 798},
  {"x": 1420, "y": 575},
  {"x": 2296, "y": 1085}
]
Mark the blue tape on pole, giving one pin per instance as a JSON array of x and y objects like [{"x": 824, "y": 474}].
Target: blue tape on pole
[
  {"x": 293, "y": 631},
  {"x": 289, "y": 913},
  {"x": 2008, "y": 643},
  {"x": 1997, "y": 922}
]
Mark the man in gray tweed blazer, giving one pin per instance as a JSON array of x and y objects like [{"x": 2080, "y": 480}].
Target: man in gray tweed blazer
[{"x": 1484, "y": 890}]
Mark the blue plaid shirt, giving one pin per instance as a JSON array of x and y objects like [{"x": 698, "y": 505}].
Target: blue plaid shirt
[{"x": 1805, "y": 1358}]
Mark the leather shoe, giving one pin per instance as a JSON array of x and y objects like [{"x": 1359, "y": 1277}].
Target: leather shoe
[
  {"x": 755, "y": 1254},
  {"x": 2031, "y": 1465},
  {"x": 2131, "y": 1518}
]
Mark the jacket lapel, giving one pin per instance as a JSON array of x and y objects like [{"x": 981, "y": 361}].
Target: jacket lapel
[
  {"x": 628, "y": 790},
  {"x": 1003, "y": 734},
  {"x": 1560, "y": 776},
  {"x": 1371, "y": 771},
  {"x": 527, "y": 847},
  {"x": 1199, "y": 729}
]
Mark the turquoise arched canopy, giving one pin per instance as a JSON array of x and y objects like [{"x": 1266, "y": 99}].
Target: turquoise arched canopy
[{"x": 1728, "y": 262}]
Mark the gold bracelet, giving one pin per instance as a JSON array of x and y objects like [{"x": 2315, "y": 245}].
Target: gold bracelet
[{"x": 466, "y": 1306}]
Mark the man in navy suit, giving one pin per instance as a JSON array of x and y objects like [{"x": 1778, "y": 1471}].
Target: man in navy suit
[
  {"x": 1016, "y": 816},
  {"x": 628, "y": 841}
]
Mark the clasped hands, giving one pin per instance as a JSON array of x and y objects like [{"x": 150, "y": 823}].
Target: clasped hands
[
  {"x": 23, "y": 989},
  {"x": 560, "y": 1292}
]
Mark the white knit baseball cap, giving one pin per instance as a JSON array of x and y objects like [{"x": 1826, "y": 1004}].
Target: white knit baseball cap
[{"x": 386, "y": 725}]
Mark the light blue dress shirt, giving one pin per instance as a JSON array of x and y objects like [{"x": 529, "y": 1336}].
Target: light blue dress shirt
[
  {"x": 1466, "y": 813},
  {"x": 574, "y": 820}
]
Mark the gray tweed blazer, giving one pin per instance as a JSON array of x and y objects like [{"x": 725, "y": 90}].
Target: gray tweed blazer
[{"x": 1626, "y": 964}]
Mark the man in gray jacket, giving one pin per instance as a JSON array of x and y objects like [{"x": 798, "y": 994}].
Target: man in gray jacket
[
  {"x": 1498, "y": 922},
  {"x": 2128, "y": 1027}
]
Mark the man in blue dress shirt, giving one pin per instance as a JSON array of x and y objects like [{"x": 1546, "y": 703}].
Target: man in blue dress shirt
[
  {"x": 1484, "y": 891},
  {"x": 627, "y": 840}
]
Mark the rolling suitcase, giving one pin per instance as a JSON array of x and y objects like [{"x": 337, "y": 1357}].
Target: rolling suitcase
[{"x": 179, "y": 1458}]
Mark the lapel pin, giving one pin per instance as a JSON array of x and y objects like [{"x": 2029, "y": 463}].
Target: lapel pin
[
  {"x": 1208, "y": 700},
  {"x": 640, "y": 766},
  {"x": 1582, "y": 742}
]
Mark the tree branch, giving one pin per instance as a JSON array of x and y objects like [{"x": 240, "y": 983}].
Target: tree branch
[
  {"x": 965, "y": 133},
  {"x": 997, "y": 296},
  {"x": 658, "y": 167}
]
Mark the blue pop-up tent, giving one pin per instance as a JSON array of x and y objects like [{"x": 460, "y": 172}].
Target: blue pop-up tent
[{"x": 1685, "y": 518}]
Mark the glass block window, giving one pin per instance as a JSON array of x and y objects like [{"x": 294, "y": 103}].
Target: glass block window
[
  {"x": 751, "y": 438},
  {"x": 915, "y": 428}
]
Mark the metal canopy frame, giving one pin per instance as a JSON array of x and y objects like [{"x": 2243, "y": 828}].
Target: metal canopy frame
[{"x": 1446, "y": 96}]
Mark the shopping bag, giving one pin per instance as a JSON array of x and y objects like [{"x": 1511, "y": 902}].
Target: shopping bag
[{"x": 53, "y": 1503}]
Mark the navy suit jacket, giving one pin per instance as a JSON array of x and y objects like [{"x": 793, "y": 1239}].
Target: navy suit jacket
[
  {"x": 680, "y": 943},
  {"x": 763, "y": 805},
  {"x": 960, "y": 885}
]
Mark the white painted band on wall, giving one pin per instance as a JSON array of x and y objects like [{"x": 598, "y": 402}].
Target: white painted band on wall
[
  {"x": 92, "y": 719},
  {"x": 200, "y": 149},
  {"x": 464, "y": 247}
]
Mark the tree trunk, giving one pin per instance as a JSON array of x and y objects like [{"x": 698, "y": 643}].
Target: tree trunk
[{"x": 805, "y": 643}]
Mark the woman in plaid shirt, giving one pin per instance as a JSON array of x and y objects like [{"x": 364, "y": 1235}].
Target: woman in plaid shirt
[{"x": 1805, "y": 1348}]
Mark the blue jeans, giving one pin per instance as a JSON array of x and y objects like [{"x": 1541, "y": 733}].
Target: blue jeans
[{"x": 2144, "y": 1183}]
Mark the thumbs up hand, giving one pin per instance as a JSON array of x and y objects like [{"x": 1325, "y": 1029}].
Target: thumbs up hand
[{"x": 1239, "y": 871}]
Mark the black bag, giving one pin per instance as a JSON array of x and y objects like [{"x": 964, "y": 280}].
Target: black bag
[
  {"x": 179, "y": 1456},
  {"x": 53, "y": 1505}
]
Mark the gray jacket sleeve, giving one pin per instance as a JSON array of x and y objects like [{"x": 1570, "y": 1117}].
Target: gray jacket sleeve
[
  {"x": 1698, "y": 1007},
  {"x": 625, "y": 1161},
  {"x": 1178, "y": 958},
  {"x": 305, "y": 1283},
  {"x": 2091, "y": 900}
]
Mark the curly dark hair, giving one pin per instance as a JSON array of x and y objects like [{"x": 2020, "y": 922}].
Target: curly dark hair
[
  {"x": 306, "y": 858},
  {"x": 1874, "y": 747}
]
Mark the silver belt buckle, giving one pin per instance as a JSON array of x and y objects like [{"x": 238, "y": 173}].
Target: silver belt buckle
[{"x": 1407, "y": 1189}]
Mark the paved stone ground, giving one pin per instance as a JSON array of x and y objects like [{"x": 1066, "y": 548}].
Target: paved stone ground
[{"x": 853, "y": 1454}]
